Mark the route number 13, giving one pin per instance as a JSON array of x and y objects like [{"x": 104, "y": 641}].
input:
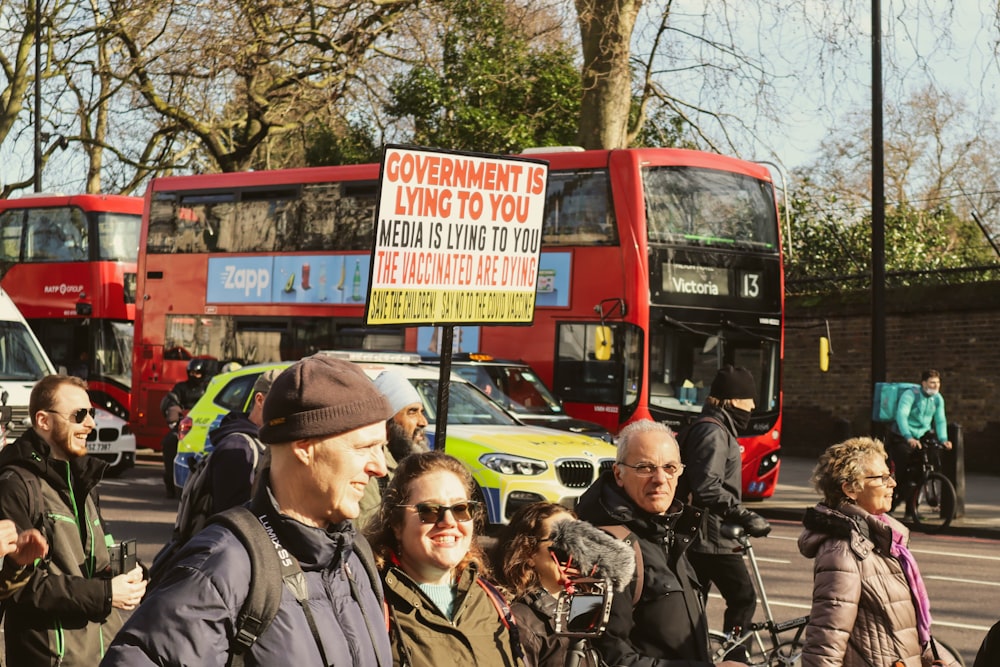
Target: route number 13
[{"x": 750, "y": 284}]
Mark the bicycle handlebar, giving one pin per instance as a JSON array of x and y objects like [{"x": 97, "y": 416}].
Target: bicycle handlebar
[{"x": 734, "y": 531}]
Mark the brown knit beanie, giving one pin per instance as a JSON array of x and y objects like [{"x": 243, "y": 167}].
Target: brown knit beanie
[{"x": 319, "y": 397}]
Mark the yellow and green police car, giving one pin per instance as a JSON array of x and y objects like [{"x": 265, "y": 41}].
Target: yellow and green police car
[{"x": 513, "y": 464}]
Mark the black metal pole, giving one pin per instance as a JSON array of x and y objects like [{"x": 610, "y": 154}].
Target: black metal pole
[
  {"x": 38, "y": 96},
  {"x": 878, "y": 366},
  {"x": 444, "y": 387}
]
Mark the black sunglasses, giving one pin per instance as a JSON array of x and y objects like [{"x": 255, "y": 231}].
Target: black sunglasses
[
  {"x": 561, "y": 557},
  {"x": 77, "y": 416},
  {"x": 434, "y": 512}
]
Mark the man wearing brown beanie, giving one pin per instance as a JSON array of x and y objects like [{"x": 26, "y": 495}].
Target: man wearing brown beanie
[
  {"x": 324, "y": 422},
  {"x": 713, "y": 475}
]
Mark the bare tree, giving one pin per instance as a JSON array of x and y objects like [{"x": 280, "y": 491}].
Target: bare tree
[
  {"x": 231, "y": 75},
  {"x": 935, "y": 158}
]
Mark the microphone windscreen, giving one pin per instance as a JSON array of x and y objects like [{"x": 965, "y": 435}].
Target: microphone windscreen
[{"x": 594, "y": 550}]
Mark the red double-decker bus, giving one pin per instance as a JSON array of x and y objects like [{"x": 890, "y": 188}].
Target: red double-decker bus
[
  {"x": 68, "y": 262},
  {"x": 658, "y": 266}
]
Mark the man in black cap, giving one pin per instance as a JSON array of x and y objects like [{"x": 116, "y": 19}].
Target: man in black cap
[
  {"x": 713, "y": 477},
  {"x": 324, "y": 422}
]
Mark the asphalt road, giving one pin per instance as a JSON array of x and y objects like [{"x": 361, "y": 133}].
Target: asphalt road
[{"x": 959, "y": 571}]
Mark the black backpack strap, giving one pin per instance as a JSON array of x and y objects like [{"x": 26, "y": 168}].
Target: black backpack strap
[
  {"x": 625, "y": 535},
  {"x": 264, "y": 597}
]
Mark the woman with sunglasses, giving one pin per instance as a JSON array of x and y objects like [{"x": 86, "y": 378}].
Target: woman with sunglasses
[
  {"x": 535, "y": 574},
  {"x": 441, "y": 609},
  {"x": 869, "y": 605}
]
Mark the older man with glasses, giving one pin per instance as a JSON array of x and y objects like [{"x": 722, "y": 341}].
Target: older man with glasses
[
  {"x": 664, "y": 623},
  {"x": 66, "y": 612}
]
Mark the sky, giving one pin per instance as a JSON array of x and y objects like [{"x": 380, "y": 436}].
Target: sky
[
  {"x": 817, "y": 57},
  {"x": 825, "y": 67}
]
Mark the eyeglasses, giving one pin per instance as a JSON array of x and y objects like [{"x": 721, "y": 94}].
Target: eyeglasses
[
  {"x": 671, "y": 470},
  {"x": 77, "y": 416},
  {"x": 885, "y": 478},
  {"x": 434, "y": 512}
]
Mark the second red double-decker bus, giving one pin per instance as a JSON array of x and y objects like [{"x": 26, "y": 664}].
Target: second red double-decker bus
[
  {"x": 658, "y": 266},
  {"x": 68, "y": 262}
]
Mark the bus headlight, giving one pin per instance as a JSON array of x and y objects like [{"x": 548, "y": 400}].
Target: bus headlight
[
  {"x": 507, "y": 464},
  {"x": 768, "y": 463}
]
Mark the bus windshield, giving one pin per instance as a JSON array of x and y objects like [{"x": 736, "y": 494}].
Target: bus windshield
[
  {"x": 706, "y": 207},
  {"x": 113, "y": 345},
  {"x": 118, "y": 236},
  {"x": 683, "y": 363}
]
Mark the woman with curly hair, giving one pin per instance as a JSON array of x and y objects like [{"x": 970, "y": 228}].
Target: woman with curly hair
[
  {"x": 869, "y": 605},
  {"x": 535, "y": 578},
  {"x": 441, "y": 609}
]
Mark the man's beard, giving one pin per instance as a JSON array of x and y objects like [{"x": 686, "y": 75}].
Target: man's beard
[{"x": 402, "y": 443}]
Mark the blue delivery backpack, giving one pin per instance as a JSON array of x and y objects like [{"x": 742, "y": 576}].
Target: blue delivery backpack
[{"x": 886, "y": 398}]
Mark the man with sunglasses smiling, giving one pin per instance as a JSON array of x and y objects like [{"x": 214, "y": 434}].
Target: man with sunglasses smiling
[
  {"x": 66, "y": 613},
  {"x": 324, "y": 423},
  {"x": 666, "y": 626}
]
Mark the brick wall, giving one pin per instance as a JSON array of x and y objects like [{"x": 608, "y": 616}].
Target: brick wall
[{"x": 955, "y": 329}]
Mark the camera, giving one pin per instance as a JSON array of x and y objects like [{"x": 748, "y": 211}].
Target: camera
[
  {"x": 585, "y": 611},
  {"x": 123, "y": 557}
]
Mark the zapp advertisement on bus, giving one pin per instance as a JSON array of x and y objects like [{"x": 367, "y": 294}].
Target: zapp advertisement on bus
[{"x": 457, "y": 238}]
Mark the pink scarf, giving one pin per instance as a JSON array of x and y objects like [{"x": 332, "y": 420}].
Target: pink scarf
[{"x": 921, "y": 602}]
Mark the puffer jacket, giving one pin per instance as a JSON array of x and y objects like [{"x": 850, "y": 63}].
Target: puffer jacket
[
  {"x": 535, "y": 613},
  {"x": 667, "y": 626},
  {"x": 713, "y": 475},
  {"x": 423, "y": 637},
  {"x": 189, "y": 619},
  {"x": 62, "y": 615},
  {"x": 863, "y": 614}
]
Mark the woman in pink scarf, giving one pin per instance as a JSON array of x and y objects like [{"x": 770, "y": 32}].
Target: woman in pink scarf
[{"x": 870, "y": 607}]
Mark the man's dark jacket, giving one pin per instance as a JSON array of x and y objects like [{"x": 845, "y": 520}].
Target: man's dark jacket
[
  {"x": 231, "y": 466},
  {"x": 63, "y": 615},
  {"x": 713, "y": 474},
  {"x": 667, "y": 627}
]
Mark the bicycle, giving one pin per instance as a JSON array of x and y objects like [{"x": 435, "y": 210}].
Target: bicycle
[
  {"x": 772, "y": 650},
  {"x": 933, "y": 498}
]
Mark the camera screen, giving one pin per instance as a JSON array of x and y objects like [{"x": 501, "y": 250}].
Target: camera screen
[{"x": 586, "y": 613}]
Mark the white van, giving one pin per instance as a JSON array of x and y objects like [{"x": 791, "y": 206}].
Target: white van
[{"x": 23, "y": 362}]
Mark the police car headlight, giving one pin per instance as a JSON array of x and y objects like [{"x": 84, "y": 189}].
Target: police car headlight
[{"x": 507, "y": 464}]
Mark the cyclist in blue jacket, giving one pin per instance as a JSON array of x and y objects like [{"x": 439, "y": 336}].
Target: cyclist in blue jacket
[{"x": 916, "y": 413}]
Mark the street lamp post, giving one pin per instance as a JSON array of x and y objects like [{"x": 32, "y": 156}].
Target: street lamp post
[
  {"x": 38, "y": 96},
  {"x": 878, "y": 367}
]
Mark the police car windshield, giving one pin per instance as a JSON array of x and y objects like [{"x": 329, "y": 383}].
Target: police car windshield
[{"x": 466, "y": 405}]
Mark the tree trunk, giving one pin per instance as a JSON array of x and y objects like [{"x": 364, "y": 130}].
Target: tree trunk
[{"x": 605, "y": 34}]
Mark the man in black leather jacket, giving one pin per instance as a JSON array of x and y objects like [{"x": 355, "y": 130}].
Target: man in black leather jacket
[{"x": 713, "y": 476}]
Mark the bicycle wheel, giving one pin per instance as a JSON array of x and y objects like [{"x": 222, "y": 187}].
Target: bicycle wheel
[{"x": 934, "y": 503}]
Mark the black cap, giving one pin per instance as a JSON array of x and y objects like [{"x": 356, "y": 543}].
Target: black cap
[{"x": 733, "y": 382}]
